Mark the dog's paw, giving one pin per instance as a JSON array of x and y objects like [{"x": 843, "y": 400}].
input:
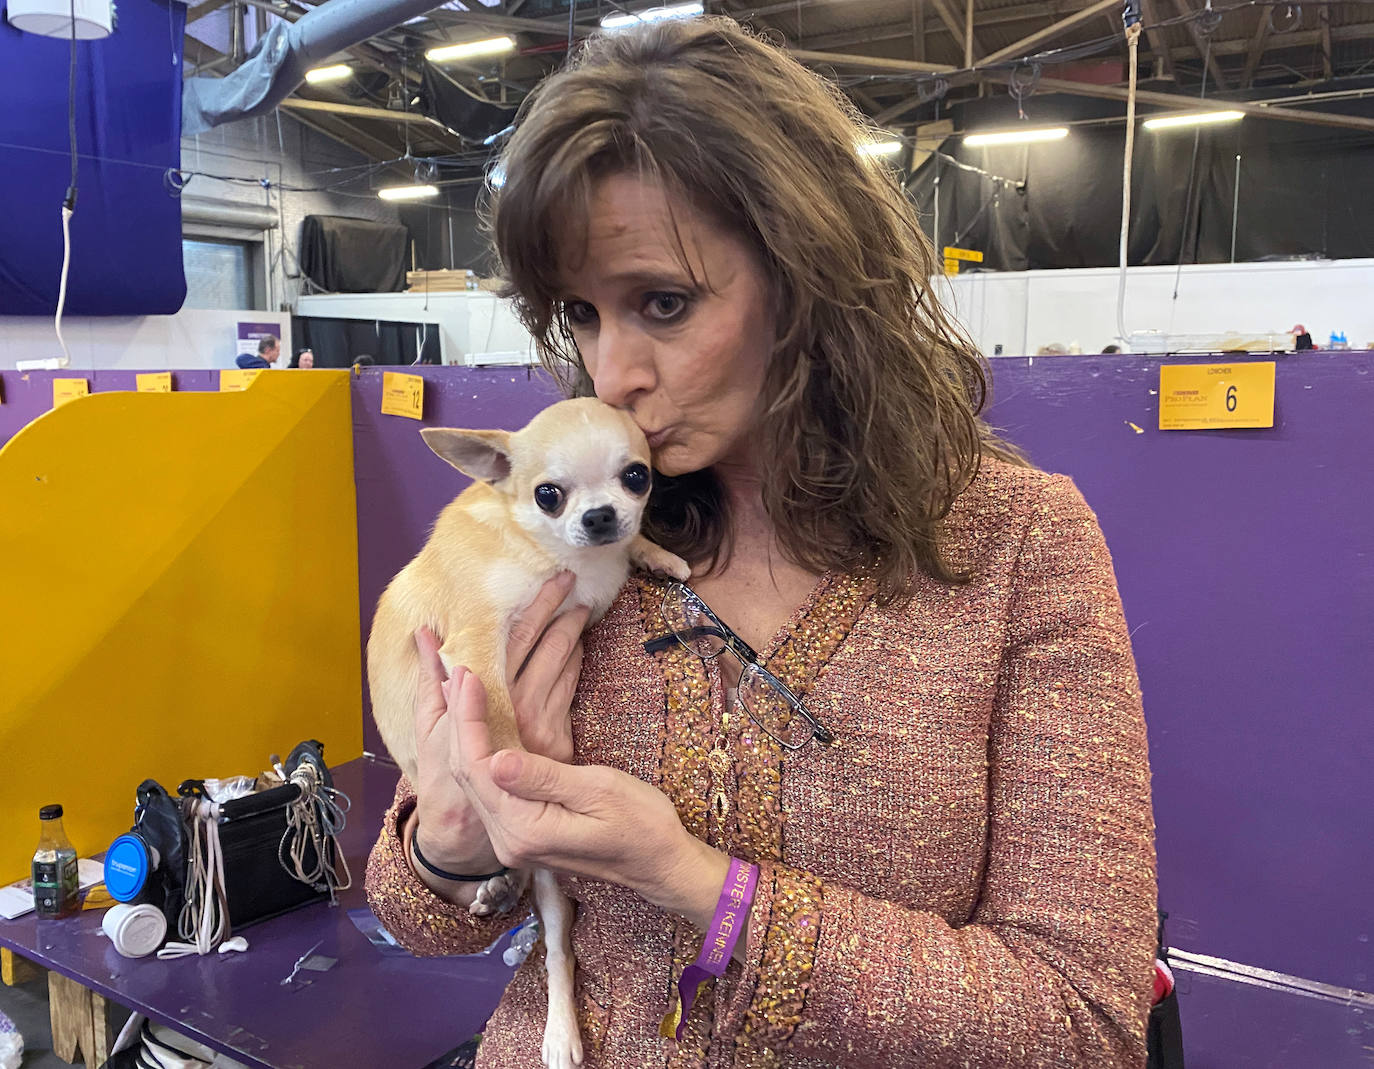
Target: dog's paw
[
  {"x": 661, "y": 562},
  {"x": 562, "y": 1040},
  {"x": 498, "y": 895}
]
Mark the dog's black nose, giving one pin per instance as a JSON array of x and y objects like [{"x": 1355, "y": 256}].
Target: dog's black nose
[{"x": 599, "y": 523}]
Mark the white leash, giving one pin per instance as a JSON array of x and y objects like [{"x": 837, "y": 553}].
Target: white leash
[{"x": 204, "y": 919}]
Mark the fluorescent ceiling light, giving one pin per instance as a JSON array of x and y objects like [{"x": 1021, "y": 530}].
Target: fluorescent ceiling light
[
  {"x": 1018, "y": 137},
  {"x": 487, "y": 46},
  {"x": 414, "y": 192},
  {"x": 497, "y": 176},
  {"x": 621, "y": 19},
  {"x": 336, "y": 73},
  {"x": 1192, "y": 118},
  {"x": 879, "y": 148}
]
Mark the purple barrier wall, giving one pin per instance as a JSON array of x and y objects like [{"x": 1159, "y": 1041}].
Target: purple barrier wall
[
  {"x": 28, "y": 394},
  {"x": 1243, "y": 562},
  {"x": 402, "y": 485}
]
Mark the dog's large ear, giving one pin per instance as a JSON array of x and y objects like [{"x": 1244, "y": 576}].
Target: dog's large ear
[{"x": 484, "y": 455}]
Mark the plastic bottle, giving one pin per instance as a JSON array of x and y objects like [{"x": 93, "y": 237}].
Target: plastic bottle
[{"x": 54, "y": 867}]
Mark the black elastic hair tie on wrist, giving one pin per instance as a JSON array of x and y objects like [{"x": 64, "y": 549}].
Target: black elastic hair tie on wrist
[{"x": 444, "y": 874}]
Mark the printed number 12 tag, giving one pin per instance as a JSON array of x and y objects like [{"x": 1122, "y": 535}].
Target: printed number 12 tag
[{"x": 403, "y": 395}]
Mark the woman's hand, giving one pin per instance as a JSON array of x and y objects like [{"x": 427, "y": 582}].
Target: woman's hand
[
  {"x": 546, "y": 656},
  {"x": 586, "y": 820}
]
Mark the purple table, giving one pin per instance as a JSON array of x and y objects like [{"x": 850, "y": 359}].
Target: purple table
[{"x": 236, "y": 1003}]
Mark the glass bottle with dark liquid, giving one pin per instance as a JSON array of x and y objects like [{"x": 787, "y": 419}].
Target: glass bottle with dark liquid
[{"x": 54, "y": 867}]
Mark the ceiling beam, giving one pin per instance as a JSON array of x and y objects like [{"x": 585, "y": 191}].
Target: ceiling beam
[
  {"x": 1186, "y": 11},
  {"x": 918, "y": 30},
  {"x": 1324, "y": 15},
  {"x": 357, "y": 111},
  {"x": 1177, "y": 102},
  {"x": 956, "y": 28},
  {"x": 195, "y": 14},
  {"x": 1256, "y": 49},
  {"x": 968, "y": 35},
  {"x": 1171, "y": 101},
  {"x": 1024, "y": 46},
  {"x": 1155, "y": 34}
]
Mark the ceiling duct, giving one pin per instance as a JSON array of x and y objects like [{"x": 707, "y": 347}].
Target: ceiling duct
[{"x": 282, "y": 56}]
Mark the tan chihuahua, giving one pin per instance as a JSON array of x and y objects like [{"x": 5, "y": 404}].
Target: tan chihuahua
[{"x": 565, "y": 493}]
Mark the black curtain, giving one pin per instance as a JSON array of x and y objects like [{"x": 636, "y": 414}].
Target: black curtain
[
  {"x": 339, "y": 342},
  {"x": 344, "y": 255},
  {"x": 1303, "y": 193},
  {"x": 476, "y": 120}
]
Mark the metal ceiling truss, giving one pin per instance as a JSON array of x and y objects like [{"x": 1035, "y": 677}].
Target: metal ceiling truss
[{"x": 958, "y": 28}]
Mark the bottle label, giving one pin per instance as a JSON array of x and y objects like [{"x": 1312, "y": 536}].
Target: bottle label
[{"x": 54, "y": 885}]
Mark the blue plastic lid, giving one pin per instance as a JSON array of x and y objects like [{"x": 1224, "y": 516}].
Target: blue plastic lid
[{"x": 126, "y": 867}]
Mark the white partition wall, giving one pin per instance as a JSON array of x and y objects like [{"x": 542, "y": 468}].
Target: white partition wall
[{"x": 1024, "y": 310}]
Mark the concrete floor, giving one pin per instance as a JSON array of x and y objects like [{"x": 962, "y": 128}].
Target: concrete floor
[{"x": 27, "y": 1006}]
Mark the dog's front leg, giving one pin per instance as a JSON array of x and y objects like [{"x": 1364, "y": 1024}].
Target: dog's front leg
[
  {"x": 562, "y": 1038},
  {"x": 655, "y": 558}
]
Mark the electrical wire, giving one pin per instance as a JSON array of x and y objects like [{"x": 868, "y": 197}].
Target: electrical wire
[{"x": 68, "y": 201}]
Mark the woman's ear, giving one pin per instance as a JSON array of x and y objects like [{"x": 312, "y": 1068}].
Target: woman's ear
[{"x": 483, "y": 455}]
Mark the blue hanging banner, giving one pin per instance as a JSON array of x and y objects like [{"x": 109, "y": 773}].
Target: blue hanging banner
[{"x": 126, "y": 232}]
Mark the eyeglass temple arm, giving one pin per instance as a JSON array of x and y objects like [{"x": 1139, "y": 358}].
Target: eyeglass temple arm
[{"x": 668, "y": 641}]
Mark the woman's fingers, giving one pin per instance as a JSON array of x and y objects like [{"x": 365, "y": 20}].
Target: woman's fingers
[
  {"x": 531, "y": 621},
  {"x": 430, "y": 698}
]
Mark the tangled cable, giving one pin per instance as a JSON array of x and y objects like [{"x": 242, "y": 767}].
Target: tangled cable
[{"x": 314, "y": 822}]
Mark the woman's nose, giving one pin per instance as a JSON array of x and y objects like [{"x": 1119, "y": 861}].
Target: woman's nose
[{"x": 622, "y": 366}]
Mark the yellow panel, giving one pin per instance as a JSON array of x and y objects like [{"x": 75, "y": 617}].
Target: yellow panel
[{"x": 180, "y": 596}]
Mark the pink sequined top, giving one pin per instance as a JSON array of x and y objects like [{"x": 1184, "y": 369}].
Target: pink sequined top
[{"x": 964, "y": 878}]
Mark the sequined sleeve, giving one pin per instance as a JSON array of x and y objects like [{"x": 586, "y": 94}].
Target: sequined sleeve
[
  {"x": 1055, "y": 967},
  {"x": 421, "y": 921}
]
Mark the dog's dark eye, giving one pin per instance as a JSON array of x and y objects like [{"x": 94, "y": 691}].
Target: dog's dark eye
[
  {"x": 635, "y": 479},
  {"x": 548, "y": 497}
]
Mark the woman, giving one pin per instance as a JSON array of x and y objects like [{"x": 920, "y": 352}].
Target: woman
[{"x": 964, "y": 873}]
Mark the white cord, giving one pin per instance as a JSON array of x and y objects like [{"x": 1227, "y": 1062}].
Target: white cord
[
  {"x": 1133, "y": 40},
  {"x": 62, "y": 286},
  {"x": 204, "y": 920}
]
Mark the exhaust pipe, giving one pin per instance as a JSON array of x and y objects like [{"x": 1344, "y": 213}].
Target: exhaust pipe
[{"x": 283, "y": 55}]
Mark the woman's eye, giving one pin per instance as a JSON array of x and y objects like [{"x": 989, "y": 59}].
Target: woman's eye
[
  {"x": 664, "y": 306},
  {"x": 579, "y": 313}
]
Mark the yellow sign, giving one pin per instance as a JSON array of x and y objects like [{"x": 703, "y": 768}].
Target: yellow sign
[
  {"x": 155, "y": 382},
  {"x": 403, "y": 395},
  {"x": 64, "y": 390},
  {"x": 238, "y": 379},
  {"x": 951, "y": 266},
  {"x": 953, "y": 253},
  {"x": 1216, "y": 396}
]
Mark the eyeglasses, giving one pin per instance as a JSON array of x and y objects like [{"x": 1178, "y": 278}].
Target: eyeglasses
[{"x": 766, "y": 698}]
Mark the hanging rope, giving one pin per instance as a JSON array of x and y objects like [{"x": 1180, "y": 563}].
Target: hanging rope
[
  {"x": 1133, "y": 43},
  {"x": 313, "y": 823}
]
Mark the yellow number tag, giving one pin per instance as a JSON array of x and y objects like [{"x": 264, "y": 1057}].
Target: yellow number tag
[
  {"x": 403, "y": 395},
  {"x": 237, "y": 379},
  {"x": 155, "y": 382},
  {"x": 1216, "y": 396},
  {"x": 64, "y": 390}
]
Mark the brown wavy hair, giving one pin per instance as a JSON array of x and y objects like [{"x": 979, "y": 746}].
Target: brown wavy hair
[{"x": 869, "y": 411}]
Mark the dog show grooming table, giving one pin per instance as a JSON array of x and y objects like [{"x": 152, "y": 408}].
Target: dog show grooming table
[{"x": 369, "y": 1009}]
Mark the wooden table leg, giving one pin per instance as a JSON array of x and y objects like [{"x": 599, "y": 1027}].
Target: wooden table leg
[
  {"x": 16, "y": 969},
  {"x": 79, "y": 1022}
]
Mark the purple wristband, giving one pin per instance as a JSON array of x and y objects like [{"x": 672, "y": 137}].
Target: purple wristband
[{"x": 732, "y": 912}]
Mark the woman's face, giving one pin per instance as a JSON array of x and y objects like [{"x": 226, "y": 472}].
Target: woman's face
[{"x": 684, "y": 358}]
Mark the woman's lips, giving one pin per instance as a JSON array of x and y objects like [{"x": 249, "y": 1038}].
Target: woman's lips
[{"x": 656, "y": 438}]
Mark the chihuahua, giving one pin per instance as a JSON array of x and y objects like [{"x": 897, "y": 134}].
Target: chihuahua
[{"x": 565, "y": 493}]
